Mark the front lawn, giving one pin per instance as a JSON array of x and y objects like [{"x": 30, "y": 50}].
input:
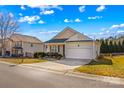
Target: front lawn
[
  {"x": 22, "y": 61},
  {"x": 107, "y": 67}
]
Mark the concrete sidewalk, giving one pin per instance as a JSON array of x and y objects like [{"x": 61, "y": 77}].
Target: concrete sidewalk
[{"x": 52, "y": 66}]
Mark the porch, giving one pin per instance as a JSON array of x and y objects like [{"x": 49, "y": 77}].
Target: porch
[
  {"x": 55, "y": 48},
  {"x": 17, "y": 51}
]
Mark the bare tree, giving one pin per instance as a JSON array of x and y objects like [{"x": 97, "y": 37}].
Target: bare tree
[{"x": 8, "y": 26}]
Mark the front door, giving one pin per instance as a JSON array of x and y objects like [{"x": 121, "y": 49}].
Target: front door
[{"x": 63, "y": 50}]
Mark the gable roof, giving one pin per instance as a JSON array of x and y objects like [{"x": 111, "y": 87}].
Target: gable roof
[
  {"x": 65, "y": 33},
  {"x": 68, "y": 35},
  {"x": 79, "y": 37},
  {"x": 25, "y": 38}
]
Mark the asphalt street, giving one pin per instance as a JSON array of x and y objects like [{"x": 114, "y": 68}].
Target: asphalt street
[{"x": 24, "y": 77}]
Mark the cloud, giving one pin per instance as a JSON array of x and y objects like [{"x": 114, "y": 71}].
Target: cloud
[
  {"x": 20, "y": 14},
  {"x": 95, "y": 17},
  {"x": 11, "y": 14},
  {"x": 117, "y": 26},
  {"x": 77, "y": 20},
  {"x": 115, "y": 29},
  {"x": 82, "y": 8},
  {"x": 41, "y": 22},
  {"x": 57, "y": 7},
  {"x": 47, "y": 12},
  {"x": 103, "y": 29},
  {"x": 120, "y": 31},
  {"x": 100, "y": 8},
  {"x": 46, "y": 7},
  {"x": 67, "y": 20},
  {"x": 29, "y": 19},
  {"x": 22, "y": 7},
  {"x": 49, "y": 32},
  {"x": 107, "y": 31}
]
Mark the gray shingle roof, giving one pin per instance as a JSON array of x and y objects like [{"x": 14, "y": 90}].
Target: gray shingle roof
[
  {"x": 25, "y": 38},
  {"x": 81, "y": 41},
  {"x": 56, "y": 40}
]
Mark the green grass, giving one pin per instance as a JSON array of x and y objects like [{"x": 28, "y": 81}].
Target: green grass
[
  {"x": 107, "y": 67},
  {"x": 24, "y": 61}
]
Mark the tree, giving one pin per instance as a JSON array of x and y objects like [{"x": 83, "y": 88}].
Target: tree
[
  {"x": 110, "y": 47},
  {"x": 123, "y": 46},
  {"x": 115, "y": 47},
  {"x": 106, "y": 46},
  {"x": 119, "y": 47},
  {"x": 8, "y": 26},
  {"x": 102, "y": 46}
]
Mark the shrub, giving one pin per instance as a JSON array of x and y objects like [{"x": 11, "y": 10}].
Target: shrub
[
  {"x": 56, "y": 55},
  {"x": 39, "y": 55},
  {"x": 36, "y": 55},
  {"x": 59, "y": 56},
  {"x": 102, "y": 61},
  {"x": 48, "y": 54}
]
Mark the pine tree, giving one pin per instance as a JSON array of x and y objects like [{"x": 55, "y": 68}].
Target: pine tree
[
  {"x": 115, "y": 47},
  {"x": 106, "y": 46},
  {"x": 110, "y": 47},
  {"x": 102, "y": 46},
  {"x": 119, "y": 47},
  {"x": 123, "y": 46}
]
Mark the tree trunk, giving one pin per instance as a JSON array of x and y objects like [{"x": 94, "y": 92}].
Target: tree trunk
[
  {"x": 3, "y": 52},
  {"x": 3, "y": 48}
]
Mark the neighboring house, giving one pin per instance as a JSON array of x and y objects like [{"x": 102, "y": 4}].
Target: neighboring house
[
  {"x": 23, "y": 45},
  {"x": 0, "y": 48},
  {"x": 72, "y": 44}
]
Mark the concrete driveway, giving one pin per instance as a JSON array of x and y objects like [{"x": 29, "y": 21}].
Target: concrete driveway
[
  {"x": 61, "y": 65},
  {"x": 55, "y": 66},
  {"x": 74, "y": 62}
]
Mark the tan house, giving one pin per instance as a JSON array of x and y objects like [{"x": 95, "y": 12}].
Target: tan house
[
  {"x": 72, "y": 44},
  {"x": 23, "y": 45}
]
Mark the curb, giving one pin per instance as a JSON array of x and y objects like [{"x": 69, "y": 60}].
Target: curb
[{"x": 97, "y": 77}]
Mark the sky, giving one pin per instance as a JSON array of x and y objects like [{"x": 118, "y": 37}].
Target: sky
[{"x": 45, "y": 22}]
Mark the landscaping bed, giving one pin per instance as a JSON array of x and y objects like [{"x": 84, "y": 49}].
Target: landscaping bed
[
  {"x": 107, "y": 66},
  {"x": 22, "y": 61}
]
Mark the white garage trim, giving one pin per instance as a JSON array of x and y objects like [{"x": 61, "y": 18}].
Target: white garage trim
[{"x": 83, "y": 51}]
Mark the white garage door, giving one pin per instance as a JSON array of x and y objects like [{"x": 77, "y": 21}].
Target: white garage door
[{"x": 79, "y": 53}]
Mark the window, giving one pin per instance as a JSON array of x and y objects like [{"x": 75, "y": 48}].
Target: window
[
  {"x": 46, "y": 46},
  {"x": 18, "y": 44},
  {"x": 31, "y": 45}
]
